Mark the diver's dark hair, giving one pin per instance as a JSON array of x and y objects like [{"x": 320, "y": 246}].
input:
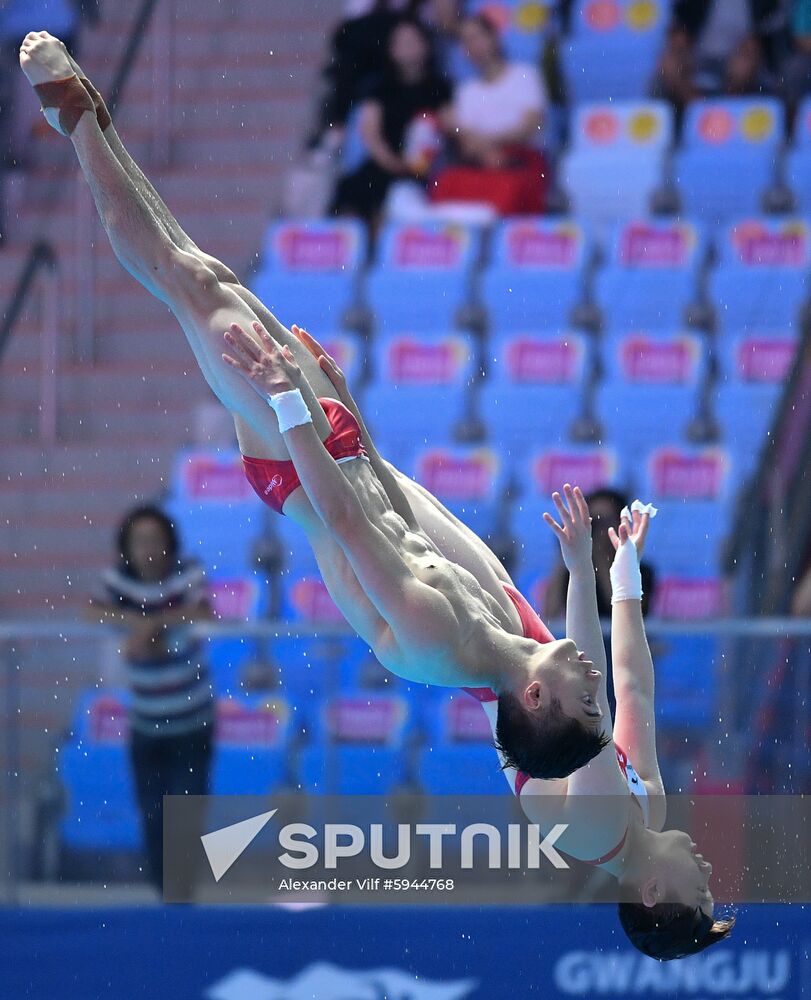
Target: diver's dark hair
[
  {"x": 146, "y": 512},
  {"x": 545, "y": 743},
  {"x": 671, "y": 930}
]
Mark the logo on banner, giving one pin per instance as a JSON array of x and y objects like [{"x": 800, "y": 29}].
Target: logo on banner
[
  {"x": 688, "y": 599},
  {"x": 465, "y": 722},
  {"x": 419, "y": 362},
  {"x": 331, "y": 982},
  {"x": 301, "y": 248},
  {"x": 757, "y": 124},
  {"x": 206, "y": 477},
  {"x": 549, "y": 361},
  {"x": 532, "y": 17},
  {"x": 642, "y": 15},
  {"x": 312, "y": 602},
  {"x": 716, "y": 126},
  {"x": 529, "y": 245},
  {"x": 432, "y": 249},
  {"x": 589, "y": 469},
  {"x": 644, "y": 126},
  {"x": 365, "y": 720},
  {"x": 685, "y": 475},
  {"x": 645, "y": 245},
  {"x": 764, "y": 359},
  {"x": 108, "y": 721},
  {"x": 759, "y": 245},
  {"x": 602, "y": 15},
  {"x": 602, "y": 127},
  {"x": 243, "y": 725},
  {"x": 647, "y": 360},
  {"x": 454, "y": 476},
  {"x": 233, "y": 599}
]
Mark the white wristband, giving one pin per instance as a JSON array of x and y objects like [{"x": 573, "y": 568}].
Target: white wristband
[
  {"x": 290, "y": 409},
  {"x": 626, "y": 577}
]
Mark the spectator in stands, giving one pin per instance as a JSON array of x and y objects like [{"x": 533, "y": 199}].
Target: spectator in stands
[
  {"x": 797, "y": 65},
  {"x": 359, "y": 60},
  {"x": 412, "y": 97},
  {"x": 155, "y": 595},
  {"x": 497, "y": 119},
  {"x": 724, "y": 47}
]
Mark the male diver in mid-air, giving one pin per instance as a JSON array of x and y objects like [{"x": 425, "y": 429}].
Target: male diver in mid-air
[
  {"x": 424, "y": 591},
  {"x": 429, "y": 617}
]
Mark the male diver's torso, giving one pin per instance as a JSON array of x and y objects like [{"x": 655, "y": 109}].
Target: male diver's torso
[{"x": 473, "y": 607}]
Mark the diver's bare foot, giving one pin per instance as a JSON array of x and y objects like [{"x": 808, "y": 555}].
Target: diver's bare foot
[{"x": 44, "y": 58}]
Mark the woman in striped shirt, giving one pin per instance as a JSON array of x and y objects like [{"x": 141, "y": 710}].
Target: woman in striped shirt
[{"x": 155, "y": 595}]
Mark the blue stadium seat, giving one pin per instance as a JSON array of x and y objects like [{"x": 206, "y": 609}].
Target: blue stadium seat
[
  {"x": 798, "y": 159},
  {"x": 633, "y": 415},
  {"x": 757, "y": 358},
  {"x": 357, "y": 744},
  {"x": 420, "y": 391},
  {"x": 309, "y": 272},
  {"x": 461, "y": 770},
  {"x": 422, "y": 276},
  {"x": 650, "y": 279},
  {"x": 534, "y": 391},
  {"x": 746, "y": 415},
  {"x": 252, "y": 745},
  {"x": 642, "y": 360},
  {"x": 535, "y": 277},
  {"x": 542, "y": 472},
  {"x": 761, "y": 282},
  {"x": 467, "y": 479},
  {"x": 101, "y": 813},
  {"x": 693, "y": 486},
  {"x": 616, "y": 161},
  {"x": 728, "y": 155},
  {"x": 612, "y": 50}
]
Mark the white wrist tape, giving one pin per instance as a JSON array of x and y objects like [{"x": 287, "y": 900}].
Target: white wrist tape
[
  {"x": 626, "y": 576},
  {"x": 290, "y": 409}
]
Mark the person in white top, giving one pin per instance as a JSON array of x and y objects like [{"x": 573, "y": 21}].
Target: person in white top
[{"x": 503, "y": 106}]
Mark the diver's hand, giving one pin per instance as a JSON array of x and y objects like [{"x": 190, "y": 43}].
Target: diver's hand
[{"x": 574, "y": 531}]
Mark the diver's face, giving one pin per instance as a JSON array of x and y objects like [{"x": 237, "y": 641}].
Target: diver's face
[
  {"x": 684, "y": 875},
  {"x": 563, "y": 673}
]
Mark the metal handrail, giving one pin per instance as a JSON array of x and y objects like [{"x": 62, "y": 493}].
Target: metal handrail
[
  {"x": 42, "y": 253},
  {"x": 767, "y": 628}
]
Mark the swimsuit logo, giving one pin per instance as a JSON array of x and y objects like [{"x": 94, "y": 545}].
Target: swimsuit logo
[{"x": 276, "y": 481}]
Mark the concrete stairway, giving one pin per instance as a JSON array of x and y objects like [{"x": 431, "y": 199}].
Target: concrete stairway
[
  {"x": 239, "y": 86},
  {"x": 241, "y": 77}
]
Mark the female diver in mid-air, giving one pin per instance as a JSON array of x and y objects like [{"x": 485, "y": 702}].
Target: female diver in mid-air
[{"x": 426, "y": 594}]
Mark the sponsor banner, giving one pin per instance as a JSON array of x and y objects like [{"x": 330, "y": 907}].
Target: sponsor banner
[
  {"x": 410, "y": 360},
  {"x": 541, "y": 244},
  {"x": 782, "y": 243},
  {"x": 428, "y": 248},
  {"x": 623, "y": 124},
  {"x": 609, "y": 17},
  {"x": 463, "y": 721},
  {"x": 644, "y": 360},
  {"x": 459, "y": 474},
  {"x": 234, "y": 599},
  {"x": 311, "y": 602},
  {"x": 241, "y": 722},
  {"x": 212, "y": 477},
  {"x": 683, "y": 598},
  {"x": 315, "y": 246},
  {"x": 736, "y": 122},
  {"x": 425, "y": 954},
  {"x": 656, "y": 244},
  {"x": 369, "y": 719},
  {"x": 533, "y": 359},
  {"x": 765, "y": 359},
  {"x": 590, "y": 468},
  {"x": 676, "y": 473}
]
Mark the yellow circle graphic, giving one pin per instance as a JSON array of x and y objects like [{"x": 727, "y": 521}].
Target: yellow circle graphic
[
  {"x": 757, "y": 124},
  {"x": 643, "y": 126},
  {"x": 532, "y": 16},
  {"x": 642, "y": 15}
]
